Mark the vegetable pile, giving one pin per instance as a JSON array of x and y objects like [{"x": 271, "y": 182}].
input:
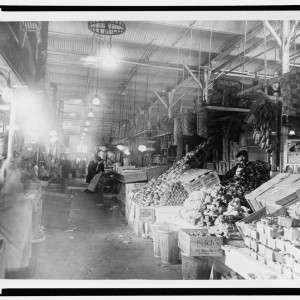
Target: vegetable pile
[
  {"x": 166, "y": 189},
  {"x": 253, "y": 175},
  {"x": 224, "y": 203}
]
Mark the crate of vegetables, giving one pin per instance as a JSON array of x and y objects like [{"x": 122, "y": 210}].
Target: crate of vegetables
[{"x": 199, "y": 242}]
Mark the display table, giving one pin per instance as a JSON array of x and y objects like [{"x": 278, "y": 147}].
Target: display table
[{"x": 237, "y": 260}]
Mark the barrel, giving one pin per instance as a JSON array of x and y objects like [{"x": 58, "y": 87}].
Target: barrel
[
  {"x": 169, "y": 250},
  {"x": 156, "y": 242},
  {"x": 194, "y": 268}
]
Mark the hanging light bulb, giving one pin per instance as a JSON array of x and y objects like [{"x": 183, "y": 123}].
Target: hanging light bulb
[
  {"x": 292, "y": 132},
  {"x": 85, "y": 129},
  {"x": 142, "y": 148},
  {"x": 109, "y": 60},
  {"x": 83, "y": 133},
  {"x": 91, "y": 114},
  {"x": 96, "y": 100},
  {"x": 87, "y": 123}
]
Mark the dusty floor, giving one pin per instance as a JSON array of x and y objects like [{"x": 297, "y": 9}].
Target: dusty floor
[{"x": 99, "y": 245}]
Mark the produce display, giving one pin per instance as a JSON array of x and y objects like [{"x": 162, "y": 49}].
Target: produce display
[
  {"x": 224, "y": 204},
  {"x": 253, "y": 175},
  {"x": 166, "y": 189},
  {"x": 265, "y": 117}
]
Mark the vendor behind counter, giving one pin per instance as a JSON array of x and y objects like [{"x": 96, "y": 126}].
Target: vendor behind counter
[{"x": 242, "y": 157}]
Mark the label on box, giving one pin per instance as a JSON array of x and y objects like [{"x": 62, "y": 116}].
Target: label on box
[{"x": 199, "y": 246}]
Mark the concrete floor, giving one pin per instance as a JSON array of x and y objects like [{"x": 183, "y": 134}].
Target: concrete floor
[{"x": 99, "y": 245}]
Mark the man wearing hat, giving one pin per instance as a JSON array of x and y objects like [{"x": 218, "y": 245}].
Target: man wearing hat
[{"x": 242, "y": 157}]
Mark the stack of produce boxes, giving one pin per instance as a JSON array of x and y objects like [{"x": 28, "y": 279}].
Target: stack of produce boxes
[{"x": 274, "y": 240}]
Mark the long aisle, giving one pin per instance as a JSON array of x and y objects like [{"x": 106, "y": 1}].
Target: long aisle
[{"x": 99, "y": 245}]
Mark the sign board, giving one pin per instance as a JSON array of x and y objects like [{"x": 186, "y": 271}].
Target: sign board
[{"x": 199, "y": 245}]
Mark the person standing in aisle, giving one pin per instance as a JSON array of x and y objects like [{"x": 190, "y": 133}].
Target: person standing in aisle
[
  {"x": 65, "y": 167},
  {"x": 92, "y": 167},
  {"x": 96, "y": 178}
]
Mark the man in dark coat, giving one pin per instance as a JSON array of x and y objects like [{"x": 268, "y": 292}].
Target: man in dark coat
[
  {"x": 65, "y": 167},
  {"x": 242, "y": 157},
  {"x": 92, "y": 167}
]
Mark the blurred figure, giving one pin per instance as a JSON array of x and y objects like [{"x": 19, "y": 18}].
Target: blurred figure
[
  {"x": 97, "y": 175},
  {"x": 65, "y": 167},
  {"x": 92, "y": 167},
  {"x": 74, "y": 168}
]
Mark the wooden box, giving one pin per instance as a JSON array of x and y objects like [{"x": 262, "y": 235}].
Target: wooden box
[
  {"x": 262, "y": 249},
  {"x": 296, "y": 252},
  {"x": 279, "y": 257},
  {"x": 261, "y": 258},
  {"x": 254, "y": 234},
  {"x": 260, "y": 228},
  {"x": 145, "y": 213},
  {"x": 291, "y": 233},
  {"x": 287, "y": 222},
  {"x": 254, "y": 255},
  {"x": 282, "y": 190},
  {"x": 289, "y": 261},
  {"x": 280, "y": 243},
  {"x": 254, "y": 245},
  {"x": 199, "y": 246},
  {"x": 278, "y": 267},
  {"x": 289, "y": 247},
  {"x": 270, "y": 254},
  {"x": 263, "y": 239},
  {"x": 223, "y": 167},
  {"x": 247, "y": 241},
  {"x": 207, "y": 181}
]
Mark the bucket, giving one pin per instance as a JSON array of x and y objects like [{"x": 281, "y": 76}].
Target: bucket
[
  {"x": 36, "y": 248},
  {"x": 169, "y": 250},
  {"x": 156, "y": 243},
  {"x": 196, "y": 267}
]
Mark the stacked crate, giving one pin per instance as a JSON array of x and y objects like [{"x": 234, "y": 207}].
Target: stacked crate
[
  {"x": 291, "y": 93},
  {"x": 223, "y": 165}
]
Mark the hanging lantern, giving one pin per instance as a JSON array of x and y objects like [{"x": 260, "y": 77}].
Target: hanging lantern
[{"x": 107, "y": 27}]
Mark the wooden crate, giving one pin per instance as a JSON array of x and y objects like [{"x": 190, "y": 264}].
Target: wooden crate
[
  {"x": 271, "y": 210},
  {"x": 282, "y": 190},
  {"x": 199, "y": 246},
  {"x": 207, "y": 181}
]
